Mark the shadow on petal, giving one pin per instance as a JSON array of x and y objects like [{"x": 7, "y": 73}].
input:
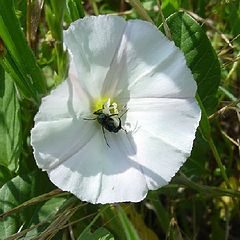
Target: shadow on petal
[{"x": 97, "y": 158}]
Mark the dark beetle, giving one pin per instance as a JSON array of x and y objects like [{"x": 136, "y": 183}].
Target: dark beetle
[{"x": 109, "y": 122}]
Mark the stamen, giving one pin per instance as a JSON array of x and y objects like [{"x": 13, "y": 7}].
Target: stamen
[{"x": 109, "y": 108}]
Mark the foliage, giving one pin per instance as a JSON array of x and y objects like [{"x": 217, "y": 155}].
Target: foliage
[{"x": 201, "y": 202}]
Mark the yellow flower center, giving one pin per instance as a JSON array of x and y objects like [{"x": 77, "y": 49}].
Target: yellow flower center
[
  {"x": 98, "y": 104},
  {"x": 106, "y": 105}
]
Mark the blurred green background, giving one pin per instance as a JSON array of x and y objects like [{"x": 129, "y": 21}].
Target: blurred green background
[{"x": 202, "y": 200}]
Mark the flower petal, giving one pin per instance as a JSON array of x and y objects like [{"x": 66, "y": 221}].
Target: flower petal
[
  {"x": 68, "y": 100},
  {"x": 102, "y": 174},
  {"x": 163, "y": 131},
  {"x": 55, "y": 141},
  {"x": 147, "y": 64},
  {"x": 158, "y": 160},
  {"x": 130, "y": 63},
  {"x": 92, "y": 43},
  {"x": 59, "y": 129},
  {"x": 173, "y": 120}
]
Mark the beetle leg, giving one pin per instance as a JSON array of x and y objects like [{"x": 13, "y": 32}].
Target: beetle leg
[
  {"x": 115, "y": 114},
  {"x": 124, "y": 130},
  {"x": 105, "y": 136},
  {"x": 120, "y": 126}
]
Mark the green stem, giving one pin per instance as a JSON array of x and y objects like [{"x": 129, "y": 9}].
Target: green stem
[
  {"x": 219, "y": 162},
  {"x": 165, "y": 26},
  {"x": 137, "y": 5},
  {"x": 29, "y": 22},
  {"x": 205, "y": 129},
  {"x": 94, "y": 6}
]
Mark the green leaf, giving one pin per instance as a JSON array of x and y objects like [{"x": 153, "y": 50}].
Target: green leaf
[
  {"x": 21, "y": 12},
  {"x": 130, "y": 231},
  {"x": 44, "y": 213},
  {"x": 75, "y": 9},
  {"x": 230, "y": 12},
  {"x": 99, "y": 234},
  {"x": 85, "y": 233},
  {"x": 54, "y": 11},
  {"x": 170, "y": 6},
  {"x": 19, "y": 190},
  {"x": 5, "y": 175},
  {"x": 208, "y": 191},
  {"x": 114, "y": 225},
  {"x": 160, "y": 210},
  {"x": 21, "y": 61},
  {"x": 10, "y": 126},
  {"x": 197, "y": 164},
  {"x": 234, "y": 15},
  {"x": 201, "y": 57}
]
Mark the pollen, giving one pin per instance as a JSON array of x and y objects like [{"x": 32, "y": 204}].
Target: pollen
[
  {"x": 106, "y": 105},
  {"x": 98, "y": 104}
]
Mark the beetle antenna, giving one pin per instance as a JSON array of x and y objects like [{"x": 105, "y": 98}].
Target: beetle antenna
[
  {"x": 89, "y": 118},
  {"x": 123, "y": 113}
]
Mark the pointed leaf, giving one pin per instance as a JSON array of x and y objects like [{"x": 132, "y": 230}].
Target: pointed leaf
[
  {"x": 99, "y": 234},
  {"x": 200, "y": 55},
  {"x": 129, "y": 229},
  {"x": 10, "y": 126},
  {"x": 19, "y": 190},
  {"x": 19, "y": 51}
]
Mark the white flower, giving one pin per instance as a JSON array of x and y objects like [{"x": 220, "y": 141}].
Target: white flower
[{"x": 139, "y": 81}]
